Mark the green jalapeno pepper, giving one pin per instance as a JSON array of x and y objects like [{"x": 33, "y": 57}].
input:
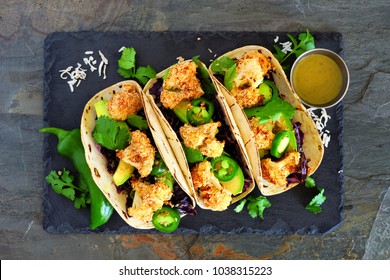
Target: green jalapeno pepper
[
  {"x": 166, "y": 219},
  {"x": 159, "y": 166},
  {"x": 70, "y": 146},
  {"x": 224, "y": 168},
  {"x": 201, "y": 111},
  {"x": 282, "y": 141}
]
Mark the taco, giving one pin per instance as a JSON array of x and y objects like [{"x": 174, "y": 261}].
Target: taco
[
  {"x": 131, "y": 160},
  {"x": 280, "y": 138},
  {"x": 202, "y": 133}
]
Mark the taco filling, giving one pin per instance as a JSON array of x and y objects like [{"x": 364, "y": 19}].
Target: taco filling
[
  {"x": 187, "y": 99},
  {"x": 123, "y": 134},
  {"x": 248, "y": 79}
]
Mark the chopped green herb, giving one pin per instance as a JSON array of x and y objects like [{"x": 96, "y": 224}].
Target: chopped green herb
[
  {"x": 62, "y": 182},
  {"x": 137, "y": 122},
  {"x": 111, "y": 134},
  {"x": 255, "y": 207},
  {"x": 306, "y": 42},
  {"x": 127, "y": 67},
  {"x": 315, "y": 204}
]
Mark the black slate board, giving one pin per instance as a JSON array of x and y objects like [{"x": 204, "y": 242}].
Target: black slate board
[{"x": 63, "y": 108}]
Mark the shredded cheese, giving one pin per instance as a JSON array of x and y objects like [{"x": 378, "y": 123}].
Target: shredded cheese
[
  {"x": 76, "y": 75},
  {"x": 320, "y": 122}
]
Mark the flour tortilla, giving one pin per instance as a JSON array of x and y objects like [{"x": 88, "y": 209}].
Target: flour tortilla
[
  {"x": 312, "y": 146},
  {"x": 97, "y": 161},
  {"x": 178, "y": 149}
]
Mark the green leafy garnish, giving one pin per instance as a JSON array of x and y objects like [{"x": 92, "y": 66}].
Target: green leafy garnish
[
  {"x": 144, "y": 74},
  {"x": 306, "y": 42},
  {"x": 221, "y": 65},
  {"x": 229, "y": 77},
  {"x": 62, "y": 183},
  {"x": 314, "y": 205},
  {"x": 137, "y": 122},
  {"x": 127, "y": 67},
  {"x": 255, "y": 207},
  {"x": 111, "y": 134},
  {"x": 271, "y": 111},
  {"x": 204, "y": 78}
]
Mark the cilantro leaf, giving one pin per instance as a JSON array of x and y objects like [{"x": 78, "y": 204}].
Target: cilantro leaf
[
  {"x": 128, "y": 70},
  {"x": 230, "y": 75},
  {"x": 221, "y": 65},
  {"x": 306, "y": 42},
  {"x": 125, "y": 73},
  {"x": 143, "y": 74},
  {"x": 255, "y": 207},
  {"x": 271, "y": 111},
  {"x": 62, "y": 183},
  {"x": 240, "y": 206},
  {"x": 315, "y": 204},
  {"x": 127, "y": 60},
  {"x": 138, "y": 122},
  {"x": 111, "y": 134}
]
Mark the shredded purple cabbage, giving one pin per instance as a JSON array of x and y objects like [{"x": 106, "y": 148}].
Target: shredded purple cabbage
[
  {"x": 299, "y": 177},
  {"x": 182, "y": 201}
]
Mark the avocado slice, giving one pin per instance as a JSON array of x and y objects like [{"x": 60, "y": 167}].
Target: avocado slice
[
  {"x": 101, "y": 108},
  {"x": 266, "y": 91},
  {"x": 236, "y": 184},
  {"x": 122, "y": 173},
  {"x": 181, "y": 111}
]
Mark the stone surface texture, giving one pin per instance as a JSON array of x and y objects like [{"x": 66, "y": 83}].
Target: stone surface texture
[{"x": 365, "y": 27}]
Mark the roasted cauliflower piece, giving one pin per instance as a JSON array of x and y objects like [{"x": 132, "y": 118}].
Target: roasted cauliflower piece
[
  {"x": 202, "y": 138},
  {"x": 263, "y": 133},
  {"x": 148, "y": 198},
  {"x": 140, "y": 153},
  {"x": 124, "y": 103},
  {"x": 181, "y": 84},
  {"x": 210, "y": 190},
  {"x": 276, "y": 172},
  {"x": 251, "y": 70}
]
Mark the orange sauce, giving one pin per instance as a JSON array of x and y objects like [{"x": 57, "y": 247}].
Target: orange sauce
[{"x": 317, "y": 79}]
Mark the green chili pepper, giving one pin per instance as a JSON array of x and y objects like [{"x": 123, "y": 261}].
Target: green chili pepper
[
  {"x": 166, "y": 219},
  {"x": 224, "y": 168},
  {"x": 200, "y": 112},
  {"x": 283, "y": 140},
  {"x": 70, "y": 146}
]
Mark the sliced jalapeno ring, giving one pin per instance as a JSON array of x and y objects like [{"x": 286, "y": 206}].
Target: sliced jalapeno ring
[
  {"x": 200, "y": 112},
  {"x": 224, "y": 168},
  {"x": 281, "y": 142},
  {"x": 166, "y": 219},
  {"x": 159, "y": 166}
]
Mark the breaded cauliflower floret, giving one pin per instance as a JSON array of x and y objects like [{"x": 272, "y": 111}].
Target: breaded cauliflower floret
[
  {"x": 251, "y": 69},
  {"x": 181, "y": 84},
  {"x": 263, "y": 133},
  {"x": 148, "y": 198},
  {"x": 210, "y": 191},
  {"x": 140, "y": 153},
  {"x": 276, "y": 172},
  {"x": 124, "y": 103},
  {"x": 202, "y": 138}
]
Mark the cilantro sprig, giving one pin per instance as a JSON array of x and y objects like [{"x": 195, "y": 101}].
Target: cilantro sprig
[
  {"x": 128, "y": 70},
  {"x": 62, "y": 182},
  {"x": 306, "y": 42},
  {"x": 314, "y": 205},
  {"x": 111, "y": 134},
  {"x": 255, "y": 207}
]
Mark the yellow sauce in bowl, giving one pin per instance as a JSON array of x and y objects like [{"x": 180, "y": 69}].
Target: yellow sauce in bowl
[{"x": 317, "y": 79}]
